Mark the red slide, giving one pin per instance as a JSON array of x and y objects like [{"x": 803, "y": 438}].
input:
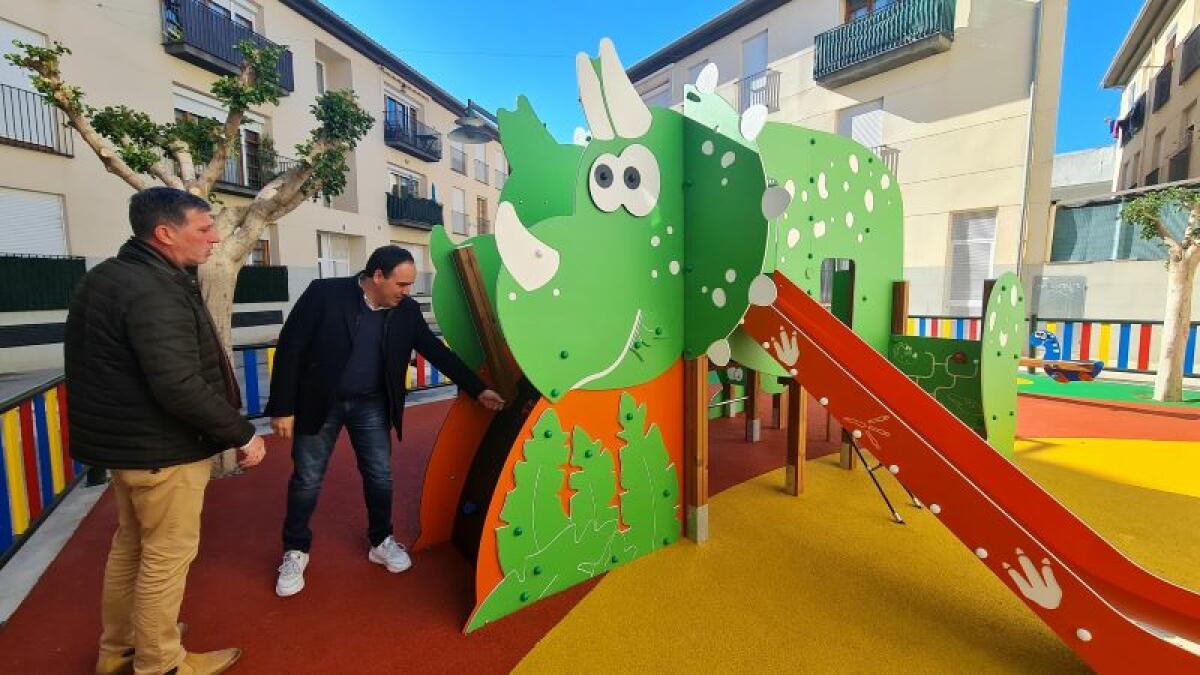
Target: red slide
[{"x": 1116, "y": 616}]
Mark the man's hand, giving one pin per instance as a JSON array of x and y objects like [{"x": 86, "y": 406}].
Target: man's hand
[
  {"x": 491, "y": 400},
  {"x": 253, "y": 452},
  {"x": 283, "y": 426}
]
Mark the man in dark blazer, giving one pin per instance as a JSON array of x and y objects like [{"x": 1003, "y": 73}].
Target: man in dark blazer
[{"x": 342, "y": 358}]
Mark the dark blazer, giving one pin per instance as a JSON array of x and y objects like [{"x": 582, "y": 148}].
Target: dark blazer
[
  {"x": 148, "y": 381},
  {"x": 315, "y": 343}
]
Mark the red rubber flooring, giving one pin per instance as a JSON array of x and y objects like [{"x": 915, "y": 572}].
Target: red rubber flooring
[{"x": 355, "y": 616}]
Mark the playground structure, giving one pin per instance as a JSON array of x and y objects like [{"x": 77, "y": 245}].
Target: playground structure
[{"x": 661, "y": 240}]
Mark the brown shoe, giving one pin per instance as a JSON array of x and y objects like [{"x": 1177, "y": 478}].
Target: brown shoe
[
  {"x": 115, "y": 664},
  {"x": 208, "y": 663}
]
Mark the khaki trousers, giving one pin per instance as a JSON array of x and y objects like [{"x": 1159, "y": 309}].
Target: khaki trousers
[{"x": 158, "y": 533}]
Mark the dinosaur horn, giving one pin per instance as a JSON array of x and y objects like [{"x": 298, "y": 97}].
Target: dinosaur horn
[
  {"x": 627, "y": 110},
  {"x": 592, "y": 98},
  {"x": 530, "y": 261}
]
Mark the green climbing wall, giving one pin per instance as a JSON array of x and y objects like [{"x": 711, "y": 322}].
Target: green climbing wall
[
  {"x": 544, "y": 549},
  {"x": 946, "y": 368},
  {"x": 844, "y": 204},
  {"x": 1004, "y": 334}
]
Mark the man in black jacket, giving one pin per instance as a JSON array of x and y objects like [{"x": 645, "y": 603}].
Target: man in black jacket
[
  {"x": 153, "y": 398},
  {"x": 341, "y": 360}
]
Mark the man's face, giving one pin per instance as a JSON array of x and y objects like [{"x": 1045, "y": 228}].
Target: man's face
[
  {"x": 191, "y": 244},
  {"x": 390, "y": 290}
]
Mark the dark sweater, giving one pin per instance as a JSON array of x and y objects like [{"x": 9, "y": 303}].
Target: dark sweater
[{"x": 363, "y": 375}]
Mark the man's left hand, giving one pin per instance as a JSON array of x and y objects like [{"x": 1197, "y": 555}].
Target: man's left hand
[{"x": 491, "y": 400}]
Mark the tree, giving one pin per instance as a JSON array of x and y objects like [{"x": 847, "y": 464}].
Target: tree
[
  {"x": 191, "y": 154},
  {"x": 1183, "y": 257}
]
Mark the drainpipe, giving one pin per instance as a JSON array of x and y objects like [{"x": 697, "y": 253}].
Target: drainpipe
[{"x": 1025, "y": 173}]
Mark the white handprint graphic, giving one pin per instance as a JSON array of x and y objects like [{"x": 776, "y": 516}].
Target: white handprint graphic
[
  {"x": 1040, "y": 587},
  {"x": 786, "y": 348}
]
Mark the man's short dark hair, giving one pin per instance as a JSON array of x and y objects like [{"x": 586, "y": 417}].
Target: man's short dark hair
[
  {"x": 160, "y": 204},
  {"x": 386, "y": 258}
]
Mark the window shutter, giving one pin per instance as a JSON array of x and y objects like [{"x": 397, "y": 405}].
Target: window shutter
[
  {"x": 31, "y": 223},
  {"x": 972, "y": 240}
]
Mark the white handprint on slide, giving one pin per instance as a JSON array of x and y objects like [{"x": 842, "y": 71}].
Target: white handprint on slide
[
  {"x": 1039, "y": 586},
  {"x": 787, "y": 349}
]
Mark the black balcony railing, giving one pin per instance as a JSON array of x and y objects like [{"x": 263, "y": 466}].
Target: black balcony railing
[
  {"x": 413, "y": 211},
  {"x": 204, "y": 36},
  {"x": 903, "y": 32},
  {"x": 889, "y": 156},
  {"x": 1162, "y": 85},
  {"x": 458, "y": 161},
  {"x": 416, "y": 138},
  {"x": 38, "y": 282},
  {"x": 27, "y": 121},
  {"x": 249, "y": 173},
  {"x": 760, "y": 89},
  {"x": 1137, "y": 116},
  {"x": 1152, "y": 178},
  {"x": 1180, "y": 163}
]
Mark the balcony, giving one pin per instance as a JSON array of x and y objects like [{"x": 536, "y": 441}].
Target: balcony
[
  {"x": 246, "y": 175},
  {"x": 458, "y": 161},
  {"x": 206, "y": 37},
  {"x": 1180, "y": 163},
  {"x": 27, "y": 121},
  {"x": 760, "y": 89},
  {"x": 890, "y": 157},
  {"x": 481, "y": 171},
  {"x": 415, "y": 138},
  {"x": 410, "y": 211},
  {"x": 904, "y": 32},
  {"x": 1162, "y": 86},
  {"x": 1189, "y": 56}
]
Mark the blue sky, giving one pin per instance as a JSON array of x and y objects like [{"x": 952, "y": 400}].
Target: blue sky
[{"x": 493, "y": 51}]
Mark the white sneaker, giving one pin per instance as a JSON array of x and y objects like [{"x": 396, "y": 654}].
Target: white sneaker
[
  {"x": 390, "y": 554},
  {"x": 291, "y": 573}
]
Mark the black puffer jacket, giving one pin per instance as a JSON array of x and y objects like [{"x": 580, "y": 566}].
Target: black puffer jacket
[{"x": 148, "y": 383}]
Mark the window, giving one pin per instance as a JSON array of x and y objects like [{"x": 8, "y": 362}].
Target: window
[
  {"x": 333, "y": 255},
  {"x": 754, "y": 55},
  {"x": 260, "y": 254},
  {"x": 31, "y": 223},
  {"x": 481, "y": 215},
  {"x": 240, "y": 12},
  {"x": 458, "y": 211},
  {"x": 320, "y": 77},
  {"x": 458, "y": 157},
  {"x": 481, "y": 168},
  {"x": 246, "y": 169},
  {"x": 1156, "y": 151},
  {"x": 401, "y": 112},
  {"x": 860, "y": 9},
  {"x": 1185, "y": 125},
  {"x": 404, "y": 183},
  {"x": 972, "y": 242},
  {"x": 24, "y": 117},
  {"x": 659, "y": 96},
  {"x": 694, "y": 71},
  {"x": 863, "y": 123}
]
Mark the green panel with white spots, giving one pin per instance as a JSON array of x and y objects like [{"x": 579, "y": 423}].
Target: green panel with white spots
[
  {"x": 750, "y": 353},
  {"x": 1004, "y": 334},
  {"x": 544, "y": 550},
  {"x": 948, "y": 369},
  {"x": 726, "y": 233},
  {"x": 844, "y": 204},
  {"x": 541, "y": 177}
]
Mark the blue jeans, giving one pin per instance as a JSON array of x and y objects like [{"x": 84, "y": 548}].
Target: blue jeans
[{"x": 367, "y": 421}]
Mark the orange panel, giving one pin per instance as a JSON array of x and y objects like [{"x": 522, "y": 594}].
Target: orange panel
[
  {"x": 459, "y": 438},
  {"x": 596, "y": 412}
]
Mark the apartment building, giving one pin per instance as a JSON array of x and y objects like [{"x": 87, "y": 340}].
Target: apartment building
[
  {"x": 1096, "y": 267},
  {"x": 958, "y": 97},
  {"x": 162, "y": 57}
]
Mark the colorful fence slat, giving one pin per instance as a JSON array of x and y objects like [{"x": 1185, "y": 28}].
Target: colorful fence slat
[{"x": 35, "y": 469}]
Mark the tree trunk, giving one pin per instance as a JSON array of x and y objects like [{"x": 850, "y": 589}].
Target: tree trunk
[
  {"x": 1181, "y": 273},
  {"x": 218, "y": 279}
]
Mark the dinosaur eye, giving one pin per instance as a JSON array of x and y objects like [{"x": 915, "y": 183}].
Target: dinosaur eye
[
  {"x": 641, "y": 180},
  {"x": 601, "y": 183},
  {"x": 603, "y": 175},
  {"x": 632, "y": 178}
]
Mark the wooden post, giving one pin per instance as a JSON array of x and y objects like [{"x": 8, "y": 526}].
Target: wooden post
[
  {"x": 777, "y": 410},
  {"x": 797, "y": 438},
  {"x": 846, "y": 458},
  {"x": 500, "y": 362},
  {"x": 899, "y": 307},
  {"x": 695, "y": 447},
  {"x": 987, "y": 293},
  {"x": 753, "y": 424}
]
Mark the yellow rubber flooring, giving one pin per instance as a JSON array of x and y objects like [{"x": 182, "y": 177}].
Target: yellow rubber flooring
[{"x": 828, "y": 583}]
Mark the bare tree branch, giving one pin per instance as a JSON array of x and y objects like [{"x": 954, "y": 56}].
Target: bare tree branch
[
  {"x": 163, "y": 171},
  {"x": 183, "y": 156},
  {"x": 108, "y": 156},
  {"x": 227, "y": 220},
  {"x": 1164, "y": 234}
]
